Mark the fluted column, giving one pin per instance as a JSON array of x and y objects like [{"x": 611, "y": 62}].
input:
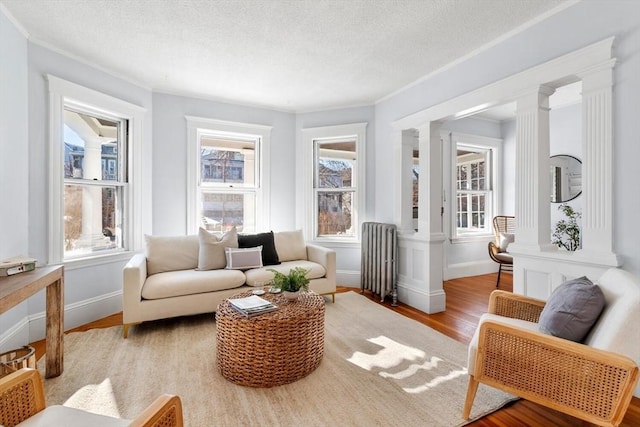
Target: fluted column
[
  {"x": 532, "y": 171},
  {"x": 597, "y": 164}
]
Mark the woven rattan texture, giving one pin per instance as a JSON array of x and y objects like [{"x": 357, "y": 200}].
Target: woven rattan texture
[
  {"x": 274, "y": 348},
  {"x": 168, "y": 419},
  {"x": 17, "y": 404},
  {"x": 510, "y": 305},
  {"x": 511, "y": 360}
]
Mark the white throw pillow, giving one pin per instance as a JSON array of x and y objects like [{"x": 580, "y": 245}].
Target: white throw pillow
[
  {"x": 243, "y": 258},
  {"x": 211, "y": 254},
  {"x": 505, "y": 240},
  {"x": 171, "y": 253},
  {"x": 290, "y": 245}
]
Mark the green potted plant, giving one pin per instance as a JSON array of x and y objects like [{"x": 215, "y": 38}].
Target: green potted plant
[
  {"x": 291, "y": 284},
  {"x": 567, "y": 232}
]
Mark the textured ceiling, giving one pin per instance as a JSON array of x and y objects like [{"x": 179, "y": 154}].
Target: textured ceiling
[{"x": 296, "y": 55}]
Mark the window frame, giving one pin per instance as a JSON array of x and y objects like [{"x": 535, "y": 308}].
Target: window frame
[
  {"x": 312, "y": 137},
  {"x": 198, "y": 127},
  {"x": 64, "y": 94},
  {"x": 494, "y": 148}
]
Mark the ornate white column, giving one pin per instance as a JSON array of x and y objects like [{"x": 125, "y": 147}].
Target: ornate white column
[
  {"x": 403, "y": 212},
  {"x": 532, "y": 172},
  {"x": 597, "y": 165}
]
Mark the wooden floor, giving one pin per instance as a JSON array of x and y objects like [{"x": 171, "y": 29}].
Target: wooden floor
[{"x": 467, "y": 299}]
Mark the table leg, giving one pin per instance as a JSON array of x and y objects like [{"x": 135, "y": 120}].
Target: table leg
[{"x": 55, "y": 328}]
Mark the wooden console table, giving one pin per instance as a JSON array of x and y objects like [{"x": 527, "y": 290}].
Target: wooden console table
[{"x": 17, "y": 288}]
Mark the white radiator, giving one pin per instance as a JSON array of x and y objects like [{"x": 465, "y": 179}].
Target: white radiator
[{"x": 379, "y": 259}]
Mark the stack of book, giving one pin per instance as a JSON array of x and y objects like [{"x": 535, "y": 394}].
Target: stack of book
[
  {"x": 19, "y": 264},
  {"x": 252, "y": 306}
]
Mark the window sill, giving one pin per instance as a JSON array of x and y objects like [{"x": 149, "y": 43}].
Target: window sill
[
  {"x": 485, "y": 237},
  {"x": 91, "y": 261}
]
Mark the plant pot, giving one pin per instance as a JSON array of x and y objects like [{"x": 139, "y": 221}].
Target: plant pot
[{"x": 291, "y": 296}]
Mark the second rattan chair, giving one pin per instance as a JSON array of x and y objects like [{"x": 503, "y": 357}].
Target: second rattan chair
[
  {"x": 504, "y": 228},
  {"x": 22, "y": 402}
]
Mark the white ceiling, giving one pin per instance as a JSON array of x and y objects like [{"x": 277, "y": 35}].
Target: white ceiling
[{"x": 292, "y": 55}]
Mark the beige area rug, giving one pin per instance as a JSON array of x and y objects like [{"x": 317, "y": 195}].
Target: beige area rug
[{"x": 379, "y": 369}]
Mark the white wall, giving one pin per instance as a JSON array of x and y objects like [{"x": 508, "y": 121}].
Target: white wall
[
  {"x": 573, "y": 28},
  {"x": 14, "y": 163},
  {"x": 347, "y": 255},
  {"x": 170, "y": 158}
]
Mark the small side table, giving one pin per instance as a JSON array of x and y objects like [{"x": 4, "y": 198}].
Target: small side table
[
  {"x": 274, "y": 348},
  {"x": 17, "y": 288}
]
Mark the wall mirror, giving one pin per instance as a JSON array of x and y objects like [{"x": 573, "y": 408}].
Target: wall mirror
[{"x": 566, "y": 178}]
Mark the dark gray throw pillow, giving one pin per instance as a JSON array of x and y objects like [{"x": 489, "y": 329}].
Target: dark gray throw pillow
[
  {"x": 269, "y": 254},
  {"x": 572, "y": 310}
]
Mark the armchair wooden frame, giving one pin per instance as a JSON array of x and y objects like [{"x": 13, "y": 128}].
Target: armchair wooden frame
[
  {"x": 22, "y": 396},
  {"x": 587, "y": 383},
  {"x": 501, "y": 224}
]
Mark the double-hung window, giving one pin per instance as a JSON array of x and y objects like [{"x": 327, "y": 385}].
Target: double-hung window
[
  {"x": 475, "y": 182},
  {"x": 335, "y": 201},
  {"x": 95, "y": 153},
  {"x": 227, "y": 185}
]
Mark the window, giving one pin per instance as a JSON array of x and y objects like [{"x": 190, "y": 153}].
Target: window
[
  {"x": 335, "y": 199},
  {"x": 94, "y": 181},
  {"x": 474, "y": 184},
  {"x": 227, "y": 187},
  {"x": 93, "y": 169}
]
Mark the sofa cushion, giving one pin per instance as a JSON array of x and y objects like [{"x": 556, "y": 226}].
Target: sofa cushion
[
  {"x": 572, "y": 310},
  {"x": 170, "y": 253},
  {"x": 186, "y": 282},
  {"x": 269, "y": 254},
  {"x": 58, "y": 415},
  {"x": 290, "y": 245},
  {"x": 211, "y": 254},
  {"x": 258, "y": 276},
  {"x": 243, "y": 258}
]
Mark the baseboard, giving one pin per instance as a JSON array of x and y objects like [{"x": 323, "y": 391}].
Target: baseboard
[
  {"x": 430, "y": 303},
  {"x": 16, "y": 336},
  {"x": 348, "y": 278},
  {"x": 466, "y": 269},
  {"x": 76, "y": 314}
]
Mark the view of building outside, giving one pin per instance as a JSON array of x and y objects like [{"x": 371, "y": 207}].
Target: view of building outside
[
  {"x": 228, "y": 185},
  {"x": 91, "y": 185},
  {"x": 472, "y": 190},
  {"x": 334, "y": 188}
]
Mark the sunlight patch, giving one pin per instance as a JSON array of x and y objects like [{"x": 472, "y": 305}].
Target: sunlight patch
[
  {"x": 437, "y": 381},
  {"x": 391, "y": 354},
  {"x": 413, "y": 369},
  {"x": 96, "y": 398}
]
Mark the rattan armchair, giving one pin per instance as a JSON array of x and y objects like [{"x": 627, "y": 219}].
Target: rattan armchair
[
  {"x": 22, "y": 400},
  {"x": 502, "y": 224},
  {"x": 578, "y": 379}
]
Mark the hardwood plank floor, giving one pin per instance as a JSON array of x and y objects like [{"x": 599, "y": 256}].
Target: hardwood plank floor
[{"x": 467, "y": 299}]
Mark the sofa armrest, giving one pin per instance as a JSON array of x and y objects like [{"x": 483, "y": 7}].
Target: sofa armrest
[
  {"x": 589, "y": 383},
  {"x": 134, "y": 276},
  {"x": 325, "y": 257},
  {"x": 515, "y": 306}
]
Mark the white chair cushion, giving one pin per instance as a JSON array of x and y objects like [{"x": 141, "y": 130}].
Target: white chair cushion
[
  {"x": 57, "y": 415},
  {"x": 290, "y": 245},
  {"x": 473, "y": 345}
]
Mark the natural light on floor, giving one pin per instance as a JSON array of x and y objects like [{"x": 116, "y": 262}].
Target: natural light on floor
[
  {"x": 96, "y": 398},
  {"x": 395, "y": 355}
]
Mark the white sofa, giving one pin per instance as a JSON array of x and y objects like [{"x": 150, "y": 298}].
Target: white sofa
[{"x": 165, "y": 281}]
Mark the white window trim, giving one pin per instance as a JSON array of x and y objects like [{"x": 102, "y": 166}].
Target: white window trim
[
  {"x": 60, "y": 92},
  {"x": 356, "y": 131},
  {"x": 495, "y": 144},
  {"x": 261, "y": 132}
]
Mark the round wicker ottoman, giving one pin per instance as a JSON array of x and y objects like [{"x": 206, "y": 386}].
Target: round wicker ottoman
[{"x": 274, "y": 348}]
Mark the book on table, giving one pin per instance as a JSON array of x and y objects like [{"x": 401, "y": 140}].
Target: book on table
[
  {"x": 15, "y": 265},
  {"x": 252, "y": 305}
]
